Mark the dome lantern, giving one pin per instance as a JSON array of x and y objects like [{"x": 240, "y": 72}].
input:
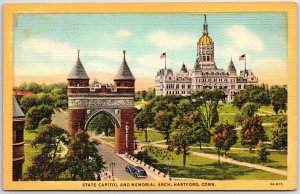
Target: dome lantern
[{"x": 205, "y": 39}]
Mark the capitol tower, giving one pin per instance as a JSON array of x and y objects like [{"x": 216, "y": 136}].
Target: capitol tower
[{"x": 205, "y": 74}]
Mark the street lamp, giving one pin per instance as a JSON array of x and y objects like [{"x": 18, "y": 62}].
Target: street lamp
[
  {"x": 126, "y": 130},
  {"x": 144, "y": 152},
  {"x": 168, "y": 163},
  {"x": 112, "y": 165},
  {"x": 135, "y": 143}
]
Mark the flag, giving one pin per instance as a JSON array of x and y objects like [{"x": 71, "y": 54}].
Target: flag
[
  {"x": 242, "y": 57},
  {"x": 163, "y": 55}
]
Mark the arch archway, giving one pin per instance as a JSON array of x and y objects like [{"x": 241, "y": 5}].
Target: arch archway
[
  {"x": 102, "y": 122},
  {"x": 93, "y": 114}
]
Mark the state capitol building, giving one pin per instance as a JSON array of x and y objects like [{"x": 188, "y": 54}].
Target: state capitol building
[{"x": 204, "y": 75}]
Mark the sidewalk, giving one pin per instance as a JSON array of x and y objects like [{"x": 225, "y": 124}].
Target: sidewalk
[{"x": 149, "y": 169}]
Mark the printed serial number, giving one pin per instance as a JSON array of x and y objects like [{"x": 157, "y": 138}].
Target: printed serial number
[{"x": 276, "y": 184}]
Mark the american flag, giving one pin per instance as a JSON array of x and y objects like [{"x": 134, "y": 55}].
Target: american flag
[
  {"x": 163, "y": 55},
  {"x": 242, "y": 57}
]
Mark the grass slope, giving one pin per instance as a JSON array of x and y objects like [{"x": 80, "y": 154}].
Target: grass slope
[{"x": 203, "y": 168}]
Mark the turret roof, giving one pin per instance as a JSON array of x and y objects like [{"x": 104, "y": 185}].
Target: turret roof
[
  {"x": 124, "y": 72},
  {"x": 183, "y": 68},
  {"x": 17, "y": 110},
  {"x": 78, "y": 71},
  {"x": 231, "y": 68}
]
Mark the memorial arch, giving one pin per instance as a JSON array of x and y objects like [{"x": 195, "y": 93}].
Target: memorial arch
[{"x": 86, "y": 100}]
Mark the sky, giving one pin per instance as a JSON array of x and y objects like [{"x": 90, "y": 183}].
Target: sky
[{"x": 45, "y": 45}]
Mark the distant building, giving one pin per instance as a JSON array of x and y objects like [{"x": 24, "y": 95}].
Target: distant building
[
  {"x": 204, "y": 75},
  {"x": 18, "y": 140},
  {"x": 21, "y": 93}
]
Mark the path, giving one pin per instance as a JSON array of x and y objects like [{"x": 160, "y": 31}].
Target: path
[
  {"x": 231, "y": 161},
  {"x": 106, "y": 149},
  {"x": 109, "y": 156}
]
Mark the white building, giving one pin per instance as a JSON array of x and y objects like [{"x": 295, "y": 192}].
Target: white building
[{"x": 204, "y": 75}]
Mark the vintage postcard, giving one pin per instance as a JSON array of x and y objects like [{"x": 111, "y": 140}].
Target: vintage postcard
[{"x": 150, "y": 96}]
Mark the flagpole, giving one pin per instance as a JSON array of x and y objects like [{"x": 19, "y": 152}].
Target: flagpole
[
  {"x": 245, "y": 62},
  {"x": 165, "y": 60}
]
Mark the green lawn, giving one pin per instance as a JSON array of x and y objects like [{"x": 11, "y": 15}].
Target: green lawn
[
  {"x": 226, "y": 118},
  {"x": 152, "y": 136},
  {"x": 276, "y": 159},
  {"x": 109, "y": 139},
  {"x": 29, "y": 151},
  {"x": 268, "y": 130},
  {"x": 266, "y": 110},
  {"x": 228, "y": 108},
  {"x": 272, "y": 118},
  {"x": 140, "y": 104},
  {"x": 203, "y": 168}
]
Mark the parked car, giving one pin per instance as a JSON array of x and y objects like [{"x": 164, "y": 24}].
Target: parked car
[{"x": 136, "y": 171}]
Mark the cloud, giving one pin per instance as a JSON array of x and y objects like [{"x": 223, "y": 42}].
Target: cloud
[
  {"x": 58, "y": 51},
  {"x": 224, "y": 54},
  {"x": 277, "y": 66},
  {"x": 109, "y": 54},
  {"x": 167, "y": 40},
  {"x": 124, "y": 33},
  {"x": 42, "y": 69},
  {"x": 242, "y": 38},
  {"x": 152, "y": 61}
]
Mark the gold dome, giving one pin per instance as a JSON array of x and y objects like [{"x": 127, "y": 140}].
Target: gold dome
[{"x": 205, "y": 40}]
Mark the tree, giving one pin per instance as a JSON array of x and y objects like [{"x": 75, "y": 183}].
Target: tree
[
  {"x": 23, "y": 87},
  {"x": 148, "y": 113},
  {"x": 83, "y": 159},
  {"x": 45, "y": 121},
  {"x": 34, "y": 87},
  {"x": 279, "y": 98},
  {"x": 260, "y": 96},
  {"x": 224, "y": 137},
  {"x": 252, "y": 131},
  {"x": 241, "y": 98},
  {"x": 35, "y": 115},
  {"x": 141, "y": 123},
  {"x": 102, "y": 123},
  {"x": 28, "y": 102},
  {"x": 257, "y": 94},
  {"x": 61, "y": 101},
  {"x": 280, "y": 135},
  {"x": 215, "y": 116},
  {"x": 249, "y": 109},
  {"x": 46, "y": 166},
  {"x": 182, "y": 135},
  {"x": 206, "y": 102},
  {"x": 202, "y": 135},
  {"x": 163, "y": 121},
  {"x": 261, "y": 151},
  {"x": 141, "y": 95},
  {"x": 47, "y": 99},
  {"x": 50, "y": 139},
  {"x": 150, "y": 94}
]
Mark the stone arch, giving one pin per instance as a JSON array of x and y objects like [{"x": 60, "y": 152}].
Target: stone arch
[{"x": 113, "y": 115}]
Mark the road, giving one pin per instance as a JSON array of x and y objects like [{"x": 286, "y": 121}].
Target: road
[{"x": 109, "y": 156}]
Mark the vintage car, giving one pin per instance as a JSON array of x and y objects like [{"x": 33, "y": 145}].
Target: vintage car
[{"x": 136, "y": 171}]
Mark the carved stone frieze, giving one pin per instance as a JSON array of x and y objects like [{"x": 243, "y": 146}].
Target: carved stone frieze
[{"x": 100, "y": 103}]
